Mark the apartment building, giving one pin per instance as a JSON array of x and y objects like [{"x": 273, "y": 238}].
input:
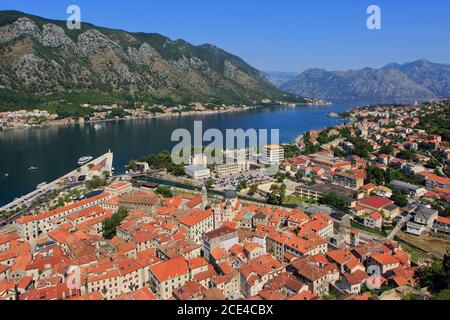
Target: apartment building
[
  {"x": 30, "y": 227},
  {"x": 197, "y": 224},
  {"x": 272, "y": 154},
  {"x": 224, "y": 237},
  {"x": 167, "y": 276},
  {"x": 231, "y": 169}
]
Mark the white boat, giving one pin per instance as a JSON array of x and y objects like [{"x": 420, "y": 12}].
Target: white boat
[
  {"x": 97, "y": 126},
  {"x": 32, "y": 168},
  {"x": 40, "y": 185},
  {"x": 84, "y": 160}
]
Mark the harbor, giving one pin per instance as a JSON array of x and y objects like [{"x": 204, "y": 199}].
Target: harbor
[{"x": 92, "y": 168}]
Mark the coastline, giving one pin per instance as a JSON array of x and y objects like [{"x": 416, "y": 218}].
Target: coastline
[
  {"x": 21, "y": 181},
  {"x": 157, "y": 116}
]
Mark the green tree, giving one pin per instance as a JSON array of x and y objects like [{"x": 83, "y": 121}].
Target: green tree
[
  {"x": 273, "y": 198},
  {"x": 299, "y": 176},
  {"x": 399, "y": 198},
  {"x": 282, "y": 193},
  {"x": 110, "y": 225},
  {"x": 334, "y": 200},
  {"x": 209, "y": 183},
  {"x": 253, "y": 189},
  {"x": 164, "y": 191}
]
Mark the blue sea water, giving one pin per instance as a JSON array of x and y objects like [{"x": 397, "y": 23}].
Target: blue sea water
[{"x": 55, "y": 151}]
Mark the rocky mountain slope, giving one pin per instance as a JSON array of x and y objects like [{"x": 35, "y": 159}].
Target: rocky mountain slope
[
  {"x": 41, "y": 57},
  {"x": 419, "y": 80},
  {"x": 279, "y": 78}
]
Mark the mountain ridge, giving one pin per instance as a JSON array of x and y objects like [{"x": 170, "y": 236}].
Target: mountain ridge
[
  {"x": 41, "y": 56},
  {"x": 417, "y": 80}
]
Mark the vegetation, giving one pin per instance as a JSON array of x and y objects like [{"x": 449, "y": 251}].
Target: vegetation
[
  {"x": 291, "y": 151},
  {"x": 164, "y": 191},
  {"x": 334, "y": 200},
  {"x": 163, "y": 160},
  {"x": 110, "y": 224},
  {"x": 437, "y": 123},
  {"x": 253, "y": 189},
  {"x": 177, "y": 87},
  {"x": 96, "y": 183},
  {"x": 437, "y": 278},
  {"x": 399, "y": 198},
  {"x": 384, "y": 177}
]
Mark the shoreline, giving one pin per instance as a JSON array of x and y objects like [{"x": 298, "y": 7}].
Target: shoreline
[
  {"x": 287, "y": 140},
  {"x": 159, "y": 116}
]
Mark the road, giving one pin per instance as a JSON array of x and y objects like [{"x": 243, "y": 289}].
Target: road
[{"x": 398, "y": 227}]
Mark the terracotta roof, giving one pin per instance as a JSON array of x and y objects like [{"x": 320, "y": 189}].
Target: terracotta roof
[
  {"x": 356, "y": 277},
  {"x": 443, "y": 220},
  {"x": 170, "y": 269},
  {"x": 196, "y": 218},
  {"x": 376, "y": 202},
  {"x": 75, "y": 205}
]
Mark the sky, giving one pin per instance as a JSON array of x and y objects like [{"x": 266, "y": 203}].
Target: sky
[{"x": 282, "y": 35}]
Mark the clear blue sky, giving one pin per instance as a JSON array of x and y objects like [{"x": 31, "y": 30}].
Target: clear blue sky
[{"x": 286, "y": 35}]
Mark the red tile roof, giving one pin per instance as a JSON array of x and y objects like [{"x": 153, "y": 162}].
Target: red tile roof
[
  {"x": 376, "y": 202},
  {"x": 170, "y": 269}
]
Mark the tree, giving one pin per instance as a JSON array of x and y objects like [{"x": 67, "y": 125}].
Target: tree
[
  {"x": 386, "y": 150},
  {"x": 164, "y": 191},
  {"x": 61, "y": 202},
  {"x": 273, "y": 198},
  {"x": 336, "y": 201},
  {"x": 406, "y": 155},
  {"x": 399, "y": 198},
  {"x": 282, "y": 193},
  {"x": 253, "y": 189},
  {"x": 299, "y": 176},
  {"x": 242, "y": 185},
  {"x": 95, "y": 183},
  {"x": 436, "y": 277},
  {"x": 110, "y": 225},
  {"x": 209, "y": 183}
]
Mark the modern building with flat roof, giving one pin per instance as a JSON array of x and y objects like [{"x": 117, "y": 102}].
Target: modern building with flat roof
[
  {"x": 197, "y": 172},
  {"x": 412, "y": 189},
  {"x": 272, "y": 154}
]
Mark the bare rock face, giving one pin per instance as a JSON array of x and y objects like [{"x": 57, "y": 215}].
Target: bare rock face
[
  {"x": 23, "y": 26},
  {"x": 32, "y": 70},
  {"x": 50, "y": 36},
  {"x": 54, "y": 36},
  {"x": 90, "y": 42},
  {"x": 419, "y": 80},
  {"x": 41, "y": 56}
]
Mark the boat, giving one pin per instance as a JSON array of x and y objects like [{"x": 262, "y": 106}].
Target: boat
[
  {"x": 33, "y": 168},
  {"x": 6, "y": 175},
  {"x": 97, "y": 126},
  {"x": 40, "y": 185},
  {"x": 84, "y": 160}
]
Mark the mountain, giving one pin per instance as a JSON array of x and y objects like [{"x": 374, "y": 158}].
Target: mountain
[
  {"x": 41, "y": 61},
  {"x": 279, "y": 78},
  {"x": 419, "y": 80}
]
